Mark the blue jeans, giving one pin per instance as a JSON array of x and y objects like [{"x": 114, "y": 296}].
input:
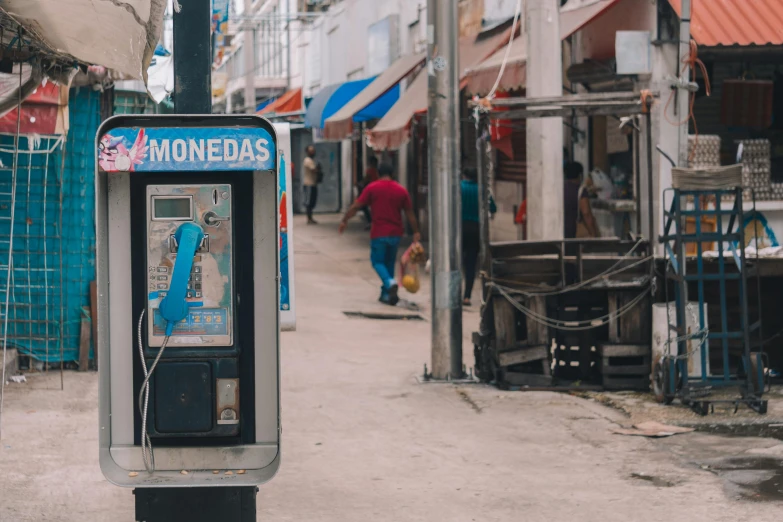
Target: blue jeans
[{"x": 383, "y": 255}]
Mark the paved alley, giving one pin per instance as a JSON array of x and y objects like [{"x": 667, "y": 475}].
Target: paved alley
[{"x": 362, "y": 440}]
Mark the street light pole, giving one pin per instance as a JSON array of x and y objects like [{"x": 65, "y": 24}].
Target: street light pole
[{"x": 444, "y": 194}]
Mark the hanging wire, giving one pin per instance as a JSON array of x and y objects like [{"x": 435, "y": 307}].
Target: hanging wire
[
  {"x": 573, "y": 326},
  {"x": 517, "y": 14},
  {"x": 587, "y": 324},
  {"x": 11, "y": 241}
]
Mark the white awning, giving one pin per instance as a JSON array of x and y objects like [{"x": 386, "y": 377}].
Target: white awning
[
  {"x": 118, "y": 35},
  {"x": 481, "y": 79}
]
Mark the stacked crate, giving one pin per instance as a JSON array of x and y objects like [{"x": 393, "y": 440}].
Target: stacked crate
[
  {"x": 756, "y": 171},
  {"x": 706, "y": 153},
  {"x": 626, "y": 357}
]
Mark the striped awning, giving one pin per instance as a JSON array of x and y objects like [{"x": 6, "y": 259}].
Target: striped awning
[
  {"x": 340, "y": 125},
  {"x": 394, "y": 129}
]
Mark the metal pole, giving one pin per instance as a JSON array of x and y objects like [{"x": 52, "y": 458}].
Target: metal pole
[
  {"x": 683, "y": 100},
  {"x": 483, "y": 207},
  {"x": 444, "y": 194},
  {"x": 193, "y": 58},
  {"x": 249, "y": 54},
  {"x": 193, "y": 95},
  {"x": 650, "y": 213},
  {"x": 637, "y": 185}
]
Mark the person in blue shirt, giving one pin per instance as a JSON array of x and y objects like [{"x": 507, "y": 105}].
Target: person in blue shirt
[{"x": 470, "y": 228}]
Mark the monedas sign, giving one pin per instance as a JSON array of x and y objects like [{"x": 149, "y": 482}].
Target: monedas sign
[{"x": 173, "y": 149}]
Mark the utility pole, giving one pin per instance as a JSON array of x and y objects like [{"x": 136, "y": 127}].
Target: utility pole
[
  {"x": 193, "y": 58},
  {"x": 683, "y": 95},
  {"x": 249, "y": 54},
  {"x": 444, "y": 194},
  {"x": 544, "y": 135}
]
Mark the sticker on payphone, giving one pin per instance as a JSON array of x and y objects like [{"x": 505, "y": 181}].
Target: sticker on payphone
[{"x": 203, "y": 321}]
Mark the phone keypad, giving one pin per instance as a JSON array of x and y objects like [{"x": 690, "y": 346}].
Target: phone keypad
[{"x": 159, "y": 280}]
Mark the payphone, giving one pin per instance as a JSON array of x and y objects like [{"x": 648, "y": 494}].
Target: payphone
[{"x": 188, "y": 271}]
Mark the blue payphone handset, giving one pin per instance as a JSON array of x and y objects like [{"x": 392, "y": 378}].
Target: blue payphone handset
[{"x": 173, "y": 308}]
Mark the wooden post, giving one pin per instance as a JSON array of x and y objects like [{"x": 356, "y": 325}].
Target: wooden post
[
  {"x": 505, "y": 324},
  {"x": 537, "y": 333},
  {"x": 84, "y": 343}
]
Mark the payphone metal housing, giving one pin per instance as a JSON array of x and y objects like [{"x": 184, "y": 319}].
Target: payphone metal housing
[{"x": 220, "y": 173}]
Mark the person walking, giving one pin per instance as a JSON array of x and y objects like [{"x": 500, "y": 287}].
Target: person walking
[
  {"x": 310, "y": 170},
  {"x": 387, "y": 200},
  {"x": 471, "y": 239}
]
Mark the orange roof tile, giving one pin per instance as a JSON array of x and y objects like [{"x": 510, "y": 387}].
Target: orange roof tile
[{"x": 735, "y": 22}]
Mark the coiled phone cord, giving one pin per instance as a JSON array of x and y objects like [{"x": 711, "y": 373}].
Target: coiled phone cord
[{"x": 144, "y": 398}]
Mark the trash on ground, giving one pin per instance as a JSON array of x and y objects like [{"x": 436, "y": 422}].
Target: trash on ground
[{"x": 17, "y": 378}]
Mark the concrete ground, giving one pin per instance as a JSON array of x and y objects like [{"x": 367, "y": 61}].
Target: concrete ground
[{"x": 362, "y": 440}]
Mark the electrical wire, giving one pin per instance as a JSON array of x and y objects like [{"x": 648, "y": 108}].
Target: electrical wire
[
  {"x": 570, "y": 288},
  {"x": 690, "y": 61},
  {"x": 11, "y": 238},
  {"x": 502, "y": 70},
  {"x": 573, "y": 326},
  {"x": 144, "y": 397},
  {"x": 612, "y": 270}
]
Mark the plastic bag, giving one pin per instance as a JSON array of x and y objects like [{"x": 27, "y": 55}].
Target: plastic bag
[
  {"x": 600, "y": 184},
  {"x": 410, "y": 261}
]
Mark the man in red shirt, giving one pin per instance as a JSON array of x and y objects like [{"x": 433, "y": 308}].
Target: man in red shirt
[{"x": 387, "y": 200}]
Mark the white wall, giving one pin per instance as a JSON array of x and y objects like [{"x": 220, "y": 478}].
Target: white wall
[
  {"x": 335, "y": 49},
  {"x": 628, "y": 15}
]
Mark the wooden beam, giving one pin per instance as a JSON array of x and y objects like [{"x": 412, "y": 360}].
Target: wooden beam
[
  {"x": 523, "y": 355},
  {"x": 567, "y": 112},
  {"x": 582, "y": 97},
  {"x": 505, "y": 323},
  {"x": 624, "y": 350},
  {"x": 84, "y": 343}
]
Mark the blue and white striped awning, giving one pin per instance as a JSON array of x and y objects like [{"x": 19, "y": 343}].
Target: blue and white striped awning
[{"x": 331, "y": 99}]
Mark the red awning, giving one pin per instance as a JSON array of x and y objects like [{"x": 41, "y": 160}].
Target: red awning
[
  {"x": 578, "y": 13},
  {"x": 394, "y": 128},
  {"x": 45, "y": 111},
  {"x": 291, "y": 102},
  {"x": 735, "y": 22}
]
